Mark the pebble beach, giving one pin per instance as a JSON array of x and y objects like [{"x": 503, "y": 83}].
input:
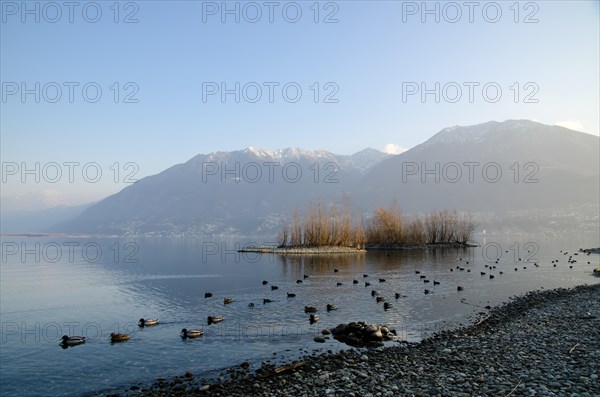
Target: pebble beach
[{"x": 544, "y": 343}]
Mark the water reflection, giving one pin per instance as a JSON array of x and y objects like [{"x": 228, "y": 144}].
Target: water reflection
[{"x": 168, "y": 279}]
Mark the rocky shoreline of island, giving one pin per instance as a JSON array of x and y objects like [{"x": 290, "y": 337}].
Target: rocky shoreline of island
[{"x": 320, "y": 250}]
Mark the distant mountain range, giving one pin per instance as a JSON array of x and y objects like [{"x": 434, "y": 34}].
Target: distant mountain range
[{"x": 491, "y": 168}]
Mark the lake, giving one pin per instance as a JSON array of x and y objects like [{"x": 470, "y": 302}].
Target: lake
[{"x": 95, "y": 286}]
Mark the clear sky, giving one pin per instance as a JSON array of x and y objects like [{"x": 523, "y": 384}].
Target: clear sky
[{"x": 361, "y": 67}]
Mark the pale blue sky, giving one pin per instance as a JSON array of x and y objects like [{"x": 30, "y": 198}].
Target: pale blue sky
[{"x": 368, "y": 55}]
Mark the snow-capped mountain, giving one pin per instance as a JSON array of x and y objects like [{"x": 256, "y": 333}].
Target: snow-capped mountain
[
  {"x": 516, "y": 165},
  {"x": 227, "y": 192}
]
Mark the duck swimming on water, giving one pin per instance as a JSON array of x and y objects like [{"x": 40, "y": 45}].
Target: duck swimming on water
[
  {"x": 191, "y": 333},
  {"x": 143, "y": 323},
  {"x": 72, "y": 340},
  {"x": 118, "y": 337},
  {"x": 214, "y": 319}
]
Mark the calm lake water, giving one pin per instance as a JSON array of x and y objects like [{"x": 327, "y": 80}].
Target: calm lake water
[{"x": 93, "y": 287}]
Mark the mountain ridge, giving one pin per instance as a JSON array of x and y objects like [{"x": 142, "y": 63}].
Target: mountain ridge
[{"x": 240, "y": 192}]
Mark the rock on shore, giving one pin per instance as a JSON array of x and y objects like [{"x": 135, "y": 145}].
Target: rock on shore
[{"x": 541, "y": 344}]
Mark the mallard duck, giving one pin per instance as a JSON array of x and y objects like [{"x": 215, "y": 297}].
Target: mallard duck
[
  {"x": 214, "y": 319},
  {"x": 143, "y": 323},
  {"x": 227, "y": 301},
  {"x": 191, "y": 333},
  {"x": 313, "y": 318},
  {"x": 310, "y": 309},
  {"x": 118, "y": 337},
  {"x": 72, "y": 340}
]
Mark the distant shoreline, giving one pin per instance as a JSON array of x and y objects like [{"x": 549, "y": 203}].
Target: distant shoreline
[{"x": 348, "y": 250}]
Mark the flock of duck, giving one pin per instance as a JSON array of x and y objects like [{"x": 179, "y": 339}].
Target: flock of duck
[
  {"x": 68, "y": 341},
  {"x": 185, "y": 333}
]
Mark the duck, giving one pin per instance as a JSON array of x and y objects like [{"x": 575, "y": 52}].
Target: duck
[
  {"x": 274, "y": 287},
  {"x": 374, "y": 293},
  {"x": 265, "y": 282},
  {"x": 387, "y": 305},
  {"x": 365, "y": 275},
  {"x": 422, "y": 277},
  {"x": 367, "y": 284},
  {"x": 143, "y": 323},
  {"x": 436, "y": 282},
  {"x": 397, "y": 295},
  {"x": 214, "y": 319},
  {"x": 118, "y": 337},
  {"x": 459, "y": 288},
  {"x": 310, "y": 309},
  {"x": 491, "y": 276},
  {"x": 382, "y": 280},
  {"x": 191, "y": 333},
  {"x": 72, "y": 340},
  {"x": 291, "y": 295},
  {"x": 227, "y": 301},
  {"x": 265, "y": 301},
  {"x": 426, "y": 281},
  {"x": 208, "y": 295},
  {"x": 305, "y": 276},
  {"x": 354, "y": 281},
  {"x": 331, "y": 307},
  {"x": 339, "y": 284},
  {"x": 299, "y": 281},
  {"x": 335, "y": 270},
  {"x": 251, "y": 304},
  {"x": 379, "y": 299},
  {"x": 313, "y": 318},
  {"x": 427, "y": 291}
]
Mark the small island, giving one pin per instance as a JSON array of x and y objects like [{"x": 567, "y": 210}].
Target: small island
[{"x": 334, "y": 230}]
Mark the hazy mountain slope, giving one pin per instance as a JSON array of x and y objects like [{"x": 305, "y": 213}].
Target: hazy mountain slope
[{"x": 540, "y": 166}]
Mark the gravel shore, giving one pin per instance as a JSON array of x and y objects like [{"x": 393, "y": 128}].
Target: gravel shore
[{"x": 545, "y": 343}]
